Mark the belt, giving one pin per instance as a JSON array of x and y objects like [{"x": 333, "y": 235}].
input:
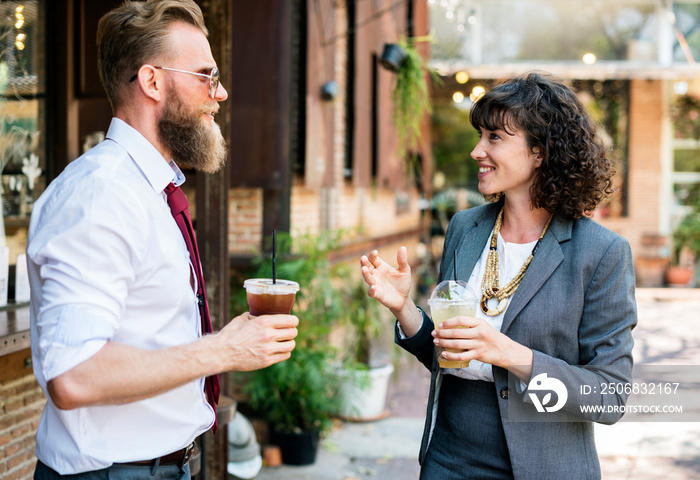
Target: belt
[{"x": 180, "y": 458}]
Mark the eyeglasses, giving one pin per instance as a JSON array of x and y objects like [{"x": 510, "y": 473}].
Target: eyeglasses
[{"x": 213, "y": 77}]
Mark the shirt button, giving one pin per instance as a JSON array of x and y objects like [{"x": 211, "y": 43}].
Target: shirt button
[{"x": 505, "y": 393}]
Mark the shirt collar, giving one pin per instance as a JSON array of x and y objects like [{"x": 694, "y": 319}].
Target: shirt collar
[
  {"x": 179, "y": 177},
  {"x": 149, "y": 160}
]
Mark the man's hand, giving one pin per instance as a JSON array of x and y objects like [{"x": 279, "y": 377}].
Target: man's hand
[
  {"x": 119, "y": 374},
  {"x": 251, "y": 343}
]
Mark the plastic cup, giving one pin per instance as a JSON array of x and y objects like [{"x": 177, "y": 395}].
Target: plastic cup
[
  {"x": 451, "y": 298},
  {"x": 268, "y": 298}
]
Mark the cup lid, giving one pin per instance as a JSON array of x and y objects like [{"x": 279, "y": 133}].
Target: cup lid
[
  {"x": 265, "y": 285},
  {"x": 453, "y": 290}
]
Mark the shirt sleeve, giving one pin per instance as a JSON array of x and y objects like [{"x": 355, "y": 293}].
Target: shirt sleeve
[
  {"x": 83, "y": 250},
  {"x": 421, "y": 344}
]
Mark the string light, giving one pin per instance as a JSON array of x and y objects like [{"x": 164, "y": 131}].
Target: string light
[
  {"x": 19, "y": 41},
  {"x": 680, "y": 88},
  {"x": 462, "y": 77},
  {"x": 589, "y": 59},
  {"x": 19, "y": 16},
  {"x": 458, "y": 97},
  {"x": 477, "y": 92}
]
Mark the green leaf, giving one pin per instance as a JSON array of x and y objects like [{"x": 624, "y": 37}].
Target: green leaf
[{"x": 411, "y": 96}]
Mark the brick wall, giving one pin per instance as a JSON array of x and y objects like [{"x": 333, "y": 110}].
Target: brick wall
[
  {"x": 305, "y": 210},
  {"x": 21, "y": 404},
  {"x": 376, "y": 212},
  {"x": 319, "y": 204},
  {"x": 245, "y": 220}
]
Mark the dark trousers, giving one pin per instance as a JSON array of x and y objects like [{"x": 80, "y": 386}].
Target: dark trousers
[
  {"x": 118, "y": 472},
  {"x": 468, "y": 441}
]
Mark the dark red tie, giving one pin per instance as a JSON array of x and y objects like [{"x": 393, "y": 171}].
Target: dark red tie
[{"x": 179, "y": 207}]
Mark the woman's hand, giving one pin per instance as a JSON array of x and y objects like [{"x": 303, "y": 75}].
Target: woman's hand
[
  {"x": 392, "y": 287},
  {"x": 480, "y": 341}
]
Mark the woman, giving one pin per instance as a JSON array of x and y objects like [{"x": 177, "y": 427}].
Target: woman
[{"x": 557, "y": 297}]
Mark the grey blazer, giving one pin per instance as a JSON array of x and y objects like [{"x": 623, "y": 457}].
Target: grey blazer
[{"x": 575, "y": 308}]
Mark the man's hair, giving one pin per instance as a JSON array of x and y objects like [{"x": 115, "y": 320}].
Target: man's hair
[
  {"x": 134, "y": 34},
  {"x": 576, "y": 171}
]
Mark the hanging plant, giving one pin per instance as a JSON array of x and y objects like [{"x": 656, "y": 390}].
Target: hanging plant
[
  {"x": 686, "y": 117},
  {"x": 411, "y": 95}
]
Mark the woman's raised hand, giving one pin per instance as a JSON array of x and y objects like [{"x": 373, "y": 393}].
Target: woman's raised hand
[{"x": 390, "y": 286}]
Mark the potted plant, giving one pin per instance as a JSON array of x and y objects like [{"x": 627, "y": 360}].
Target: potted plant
[
  {"x": 364, "y": 384},
  {"x": 686, "y": 241},
  {"x": 393, "y": 57},
  {"x": 410, "y": 96},
  {"x": 299, "y": 397}
]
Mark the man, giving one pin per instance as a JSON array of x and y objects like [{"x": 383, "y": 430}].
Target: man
[{"x": 117, "y": 343}]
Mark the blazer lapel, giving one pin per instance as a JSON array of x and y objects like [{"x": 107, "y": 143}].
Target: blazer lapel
[
  {"x": 546, "y": 260},
  {"x": 471, "y": 242}
]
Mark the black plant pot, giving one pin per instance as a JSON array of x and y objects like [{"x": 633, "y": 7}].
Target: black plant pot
[
  {"x": 298, "y": 448},
  {"x": 393, "y": 57}
]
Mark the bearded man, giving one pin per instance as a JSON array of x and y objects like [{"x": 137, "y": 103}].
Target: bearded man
[{"x": 118, "y": 312}]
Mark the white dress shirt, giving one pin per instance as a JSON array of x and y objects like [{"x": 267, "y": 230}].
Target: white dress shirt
[{"x": 107, "y": 262}]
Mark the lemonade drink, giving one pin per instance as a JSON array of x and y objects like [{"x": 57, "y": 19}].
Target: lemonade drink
[
  {"x": 442, "y": 310},
  {"x": 452, "y": 298}
]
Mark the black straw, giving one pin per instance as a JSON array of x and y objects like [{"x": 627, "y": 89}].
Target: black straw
[
  {"x": 454, "y": 265},
  {"x": 274, "y": 257}
]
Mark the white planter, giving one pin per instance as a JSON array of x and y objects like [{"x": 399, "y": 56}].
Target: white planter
[{"x": 363, "y": 393}]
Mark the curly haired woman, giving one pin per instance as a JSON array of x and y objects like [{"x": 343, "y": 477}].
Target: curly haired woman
[{"x": 557, "y": 298}]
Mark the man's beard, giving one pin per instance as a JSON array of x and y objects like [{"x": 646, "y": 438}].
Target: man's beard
[{"x": 191, "y": 143}]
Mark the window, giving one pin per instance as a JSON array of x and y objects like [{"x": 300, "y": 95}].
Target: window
[
  {"x": 22, "y": 151},
  {"x": 685, "y": 177},
  {"x": 22, "y": 132}
]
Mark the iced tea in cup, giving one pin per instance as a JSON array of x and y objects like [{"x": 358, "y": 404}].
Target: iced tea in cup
[
  {"x": 268, "y": 297},
  {"x": 451, "y": 298}
]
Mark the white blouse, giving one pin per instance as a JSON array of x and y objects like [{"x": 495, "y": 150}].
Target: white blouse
[{"x": 511, "y": 257}]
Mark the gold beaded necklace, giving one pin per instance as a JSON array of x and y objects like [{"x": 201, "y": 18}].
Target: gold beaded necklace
[{"x": 490, "y": 287}]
